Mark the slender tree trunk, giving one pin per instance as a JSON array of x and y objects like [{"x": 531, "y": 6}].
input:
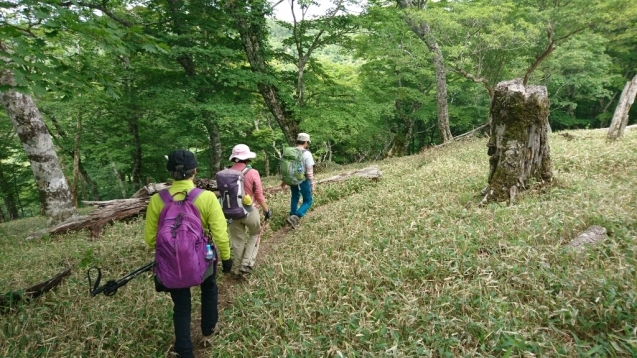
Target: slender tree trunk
[
  {"x": 518, "y": 147},
  {"x": 87, "y": 178},
  {"x": 83, "y": 185},
  {"x": 423, "y": 31},
  {"x": 214, "y": 146},
  {"x": 251, "y": 23},
  {"x": 441, "y": 92},
  {"x": 620, "y": 117},
  {"x": 133, "y": 126},
  {"x": 267, "y": 163},
  {"x": 9, "y": 198},
  {"x": 408, "y": 136},
  {"x": 76, "y": 159},
  {"x": 37, "y": 143},
  {"x": 300, "y": 86},
  {"x": 119, "y": 180},
  {"x": 17, "y": 196},
  {"x": 62, "y": 133}
]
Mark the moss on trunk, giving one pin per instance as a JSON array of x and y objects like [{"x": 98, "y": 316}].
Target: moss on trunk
[{"x": 518, "y": 147}]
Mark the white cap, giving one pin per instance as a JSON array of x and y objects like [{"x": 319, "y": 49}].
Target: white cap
[{"x": 303, "y": 137}]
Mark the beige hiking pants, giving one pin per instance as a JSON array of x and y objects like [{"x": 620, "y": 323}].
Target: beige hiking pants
[{"x": 243, "y": 245}]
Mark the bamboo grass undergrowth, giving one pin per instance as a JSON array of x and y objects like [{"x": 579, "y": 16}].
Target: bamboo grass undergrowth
[{"x": 410, "y": 266}]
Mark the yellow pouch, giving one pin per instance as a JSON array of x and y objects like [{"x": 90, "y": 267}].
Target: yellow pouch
[{"x": 247, "y": 200}]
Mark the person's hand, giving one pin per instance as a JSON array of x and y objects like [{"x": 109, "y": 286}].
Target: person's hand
[
  {"x": 268, "y": 214},
  {"x": 226, "y": 265}
]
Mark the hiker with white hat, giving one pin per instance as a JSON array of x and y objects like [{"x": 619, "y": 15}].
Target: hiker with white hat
[
  {"x": 297, "y": 171},
  {"x": 238, "y": 204}
]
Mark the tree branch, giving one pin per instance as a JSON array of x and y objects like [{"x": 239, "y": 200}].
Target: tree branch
[
  {"x": 482, "y": 80},
  {"x": 549, "y": 49},
  {"x": 101, "y": 7}
]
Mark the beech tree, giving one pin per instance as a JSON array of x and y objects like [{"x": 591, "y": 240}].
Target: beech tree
[
  {"x": 423, "y": 30},
  {"x": 250, "y": 20},
  {"x": 53, "y": 188},
  {"x": 34, "y": 66}
]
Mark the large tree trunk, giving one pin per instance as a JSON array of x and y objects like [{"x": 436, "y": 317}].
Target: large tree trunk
[
  {"x": 620, "y": 118},
  {"x": 215, "y": 147},
  {"x": 52, "y": 186},
  {"x": 423, "y": 31},
  {"x": 518, "y": 147},
  {"x": 251, "y": 23}
]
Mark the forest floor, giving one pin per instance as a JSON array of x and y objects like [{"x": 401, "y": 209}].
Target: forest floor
[{"x": 411, "y": 265}]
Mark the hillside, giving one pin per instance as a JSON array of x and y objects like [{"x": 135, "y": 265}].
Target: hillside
[{"x": 408, "y": 266}]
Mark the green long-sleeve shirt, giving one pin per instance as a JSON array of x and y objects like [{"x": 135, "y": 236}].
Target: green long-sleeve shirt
[{"x": 212, "y": 217}]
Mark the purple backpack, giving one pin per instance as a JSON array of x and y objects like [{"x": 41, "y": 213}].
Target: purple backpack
[
  {"x": 180, "y": 249},
  {"x": 231, "y": 190}
]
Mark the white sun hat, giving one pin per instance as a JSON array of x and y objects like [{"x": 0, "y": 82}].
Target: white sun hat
[{"x": 242, "y": 152}]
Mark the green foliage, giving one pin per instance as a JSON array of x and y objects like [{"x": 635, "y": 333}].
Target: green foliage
[
  {"x": 147, "y": 78},
  {"x": 578, "y": 76}
]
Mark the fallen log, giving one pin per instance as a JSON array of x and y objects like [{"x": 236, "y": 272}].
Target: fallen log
[
  {"x": 109, "y": 211},
  {"x": 152, "y": 188},
  {"x": 9, "y": 299},
  {"x": 372, "y": 173},
  {"x": 472, "y": 132}
]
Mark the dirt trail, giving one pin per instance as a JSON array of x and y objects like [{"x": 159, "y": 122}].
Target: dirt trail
[{"x": 228, "y": 286}]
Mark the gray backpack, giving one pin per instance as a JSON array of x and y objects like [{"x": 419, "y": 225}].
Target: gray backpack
[{"x": 230, "y": 186}]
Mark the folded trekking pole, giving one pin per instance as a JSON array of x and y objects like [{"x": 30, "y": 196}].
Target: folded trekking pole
[
  {"x": 256, "y": 244},
  {"x": 110, "y": 287}
]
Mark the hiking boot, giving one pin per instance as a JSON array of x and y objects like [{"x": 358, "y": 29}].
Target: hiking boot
[
  {"x": 207, "y": 341},
  {"x": 237, "y": 276},
  {"x": 293, "y": 220},
  {"x": 246, "y": 269}
]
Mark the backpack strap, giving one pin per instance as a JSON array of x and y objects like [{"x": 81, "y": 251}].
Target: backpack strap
[
  {"x": 165, "y": 196},
  {"x": 244, "y": 171},
  {"x": 300, "y": 155},
  {"x": 193, "y": 194}
]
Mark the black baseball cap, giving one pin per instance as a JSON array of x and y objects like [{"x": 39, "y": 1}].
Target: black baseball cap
[{"x": 181, "y": 157}]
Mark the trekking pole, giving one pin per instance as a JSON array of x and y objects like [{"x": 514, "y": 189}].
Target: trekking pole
[
  {"x": 256, "y": 244},
  {"x": 111, "y": 286}
]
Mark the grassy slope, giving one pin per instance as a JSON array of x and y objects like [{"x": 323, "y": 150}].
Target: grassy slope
[{"x": 410, "y": 266}]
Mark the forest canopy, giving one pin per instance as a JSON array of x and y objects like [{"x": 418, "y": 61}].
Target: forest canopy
[{"x": 121, "y": 83}]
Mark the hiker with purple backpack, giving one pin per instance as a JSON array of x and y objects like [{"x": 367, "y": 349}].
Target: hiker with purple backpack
[
  {"x": 239, "y": 186},
  {"x": 181, "y": 222}
]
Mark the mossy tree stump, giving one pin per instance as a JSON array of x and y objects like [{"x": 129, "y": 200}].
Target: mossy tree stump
[{"x": 518, "y": 147}]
